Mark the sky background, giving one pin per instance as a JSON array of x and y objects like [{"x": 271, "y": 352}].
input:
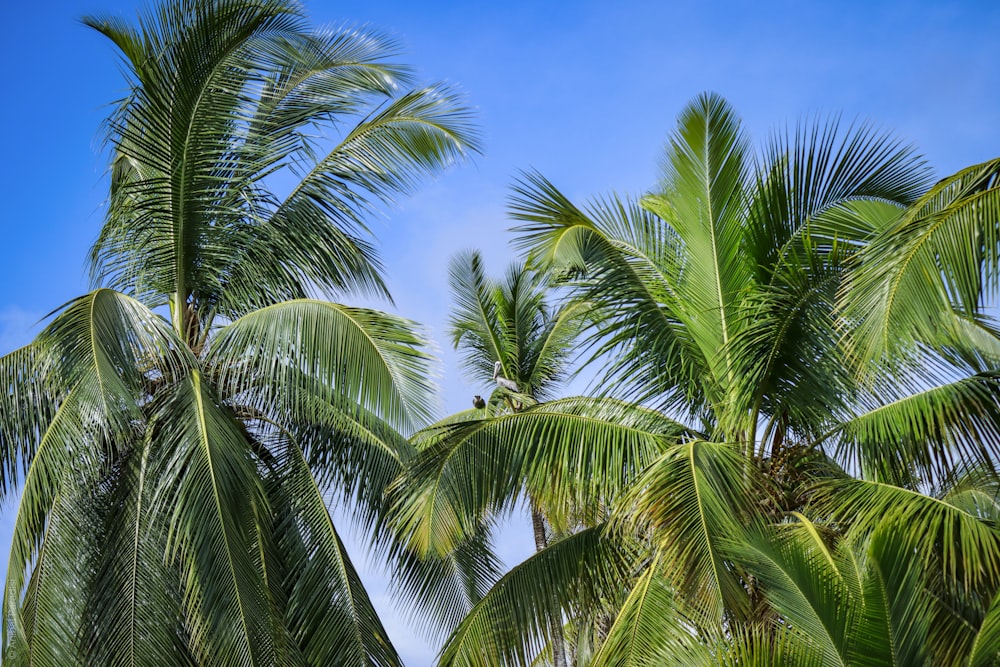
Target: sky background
[{"x": 584, "y": 92}]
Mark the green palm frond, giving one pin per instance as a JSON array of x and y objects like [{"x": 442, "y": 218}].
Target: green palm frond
[
  {"x": 94, "y": 358},
  {"x": 704, "y": 198},
  {"x": 569, "y": 453},
  {"x": 42, "y": 626},
  {"x": 628, "y": 261},
  {"x": 27, "y": 405},
  {"x": 942, "y": 536},
  {"x": 787, "y": 341},
  {"x": 476, "y": 324},
  {"x": 897, "y": 608},
  {"x": 802, "y": 579},
  {"x": 442, "y": 590},
  {"x": 974, "y": 490},
  {"x": 511, "y": 321},
  {"x": 224, "y": 99},
  {"x": 175, "y": 134},
  {"x": 317, "y": 234},
  {"x": 861, "y": 603},
  {"x": 371, "y": 358},
  {"x": 985, "y": 647},
  {"x": 134, "y": 606},
  {"x": 933, "y": 431},
  {"x": 941, "y": 255},
  {"x": 821, "y": 173},
  {"x": 692, "y": 500},
  {"x": 651, "y": 629},
  {"x": 971, "y": 343},
  {"x": 510, "y": 625},
  {"x": 328, "y": 614},
  {"x": 214, "y": 498}
]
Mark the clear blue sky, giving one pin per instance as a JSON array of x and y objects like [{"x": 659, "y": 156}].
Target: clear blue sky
[{"x": 585, "y": 92}]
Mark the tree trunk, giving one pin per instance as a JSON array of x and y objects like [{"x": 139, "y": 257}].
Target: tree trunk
[{"x": 541, "y": 541}]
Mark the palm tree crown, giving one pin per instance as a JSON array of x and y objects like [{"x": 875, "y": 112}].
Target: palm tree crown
[
  {"x": 176, "y": 475},
  {"x": 812, "y": 316}
]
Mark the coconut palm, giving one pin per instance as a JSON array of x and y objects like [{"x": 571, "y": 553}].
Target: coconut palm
[
  {"x": 813, "y": 314},
  {"x": 176, "y": 474},
  {"x": 512, "y": 338}
]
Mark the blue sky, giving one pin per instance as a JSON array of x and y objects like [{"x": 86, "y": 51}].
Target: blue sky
[{"x": 585, "y": 92}]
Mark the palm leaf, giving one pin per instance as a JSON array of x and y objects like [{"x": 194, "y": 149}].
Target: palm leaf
[
  {"x": 371, "y": 358},
  {"x": 942, "y": 536},
  {"x": 628, "y": 261},
  {"x": 134, "y": 606},
  {"x": 569, "y": 453},
  {"x": 211, "y": 492},
  {"x": 933, "y": 430},
  {"x": 941, "y": 255},
  {"x": 650, "y": 629},
  {"x": 329, "y": 614},
  {"x": 691, "y": 501},
  {"x": 512, "y": 622}
]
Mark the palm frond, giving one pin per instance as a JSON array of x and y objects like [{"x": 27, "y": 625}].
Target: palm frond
[
  {"x": 941, "y": 536},
  {"x": 511, "y": 321},
  {"x": 927, "y": 433},
  {"x": 317, "y": 234},
  {"x": 361, "y": 355},
  {"x": 941, "y": 255},
  {"x": 210, "y": 490},
  {"x": 986, "y": 645},
  {"x": 513, "y": 621},
  {"x": 651, "y": 629},
  {"x": 691, "y": 501},
  {"x": 821, "y": 172},
  {"x": 94, "y": 358},
  {"x": 190, "y": 69},
  {"x": 443, "y": 590},
  {"x": 27, "y": 405},
  {"x": 704, "y": 199},
  {"x": 43, "y": 626},
  {"x": 133, "y": 609},
  {"x": 628, "y": 262},
  {"x": 569, "y": 453},
  {"x": 329, "y": 614},
  {"x": 802, "y": 580}
]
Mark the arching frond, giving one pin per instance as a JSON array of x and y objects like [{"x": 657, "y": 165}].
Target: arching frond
[
  {"x": 569, "y": 453},
  {"x": 359, "y": 354},
  {"x": 93, "y": 361},
  {"x": 941, "y": 536},
  {"x": 629, "y": 261},
  {"x": 692, "y": 500},
  {"x": 651, "y": 629},
  {"x": 133, "y": 607},
  {"x": 329, "y": 614},
  {"x": 510, "y": 625},
  {"x": 209, "y": 488},
  {"x": 928, "y": 433},
  {"x": 943, "y": 254}
]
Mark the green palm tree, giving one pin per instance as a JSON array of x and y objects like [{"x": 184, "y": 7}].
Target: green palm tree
[
  {"x": 813, "y": 315},
  {"x": 510, "y": 337},
  {"x": 176, "y": 474}
]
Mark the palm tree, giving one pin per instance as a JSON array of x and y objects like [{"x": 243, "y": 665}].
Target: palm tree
[
  {"x": 813, "y": 315},
  {"x": 176, "y": 474},
  {"x": 511, "y": 337}
]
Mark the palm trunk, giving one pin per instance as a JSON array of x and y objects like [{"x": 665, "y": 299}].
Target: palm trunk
[{"x": 541, "y": 541}]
